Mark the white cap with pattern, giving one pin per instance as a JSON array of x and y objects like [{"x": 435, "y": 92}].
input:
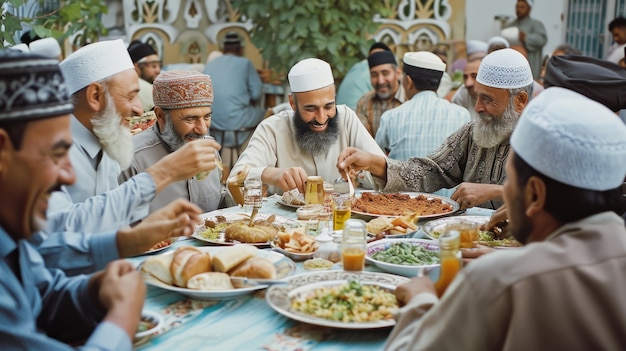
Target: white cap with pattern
[
  {"x": 310, "y": 74},
  {"x": 583, "y": 143},
  {"x": 505, "y": 69}
]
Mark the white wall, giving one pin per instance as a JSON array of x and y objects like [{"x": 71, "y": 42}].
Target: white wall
[{"x": 481, "y": 24}]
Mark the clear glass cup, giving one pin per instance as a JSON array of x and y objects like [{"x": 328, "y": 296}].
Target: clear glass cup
[
  {"x": 341, "y": 210},
  {"x": 354, "y": 245},
  {"x": 253, "y": 194},
  {"x": 468, "y": 232}
]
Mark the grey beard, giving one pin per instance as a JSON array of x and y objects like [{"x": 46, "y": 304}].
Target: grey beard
[
  {"x": 170, "y": 137},
  {"x": 313, "y": 142},
  {"x": 488, "y": 135},
  {"x": 115, "y": 138}
]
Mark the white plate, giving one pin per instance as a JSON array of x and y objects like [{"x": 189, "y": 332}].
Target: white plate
[
  {"x": 284, "y": 268},
  {"x": 280, "y": 201},
  {"x": 406, "y": 270},
  {"x": 155, "y": 251},
  {"x": 293, "y": 255},
  {"x": 235, "y": 217},
  {"x": 433, "y": 228},
  {"x": 454, "y": 204},
  {"x": 279, "y": 296}
]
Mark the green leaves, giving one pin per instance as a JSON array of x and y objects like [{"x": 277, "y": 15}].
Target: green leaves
[{"x": 336, "y": 31}]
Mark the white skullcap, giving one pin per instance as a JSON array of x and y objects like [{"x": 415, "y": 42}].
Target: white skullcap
[
  {"x": 530, "y": 3},
  {"x": 310, "y": 74},
  {"x": 474, "y": 46},
  {"x": 498, "y": 39},
  {"x": 48, "y": 47},
  {"x": 20, "y": 47},
  {"x": 505, "y": 69},
  {"x": 572, "y": 139},
  {"x": 511, "y": 34},
  {"x": 95, "y": 62},
  {"x": 424, "y": 59}
]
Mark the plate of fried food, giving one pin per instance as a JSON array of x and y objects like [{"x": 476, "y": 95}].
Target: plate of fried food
[
  {"x": 393, "y": 227},
  {"x": 292, "y": 198},
  {"x": 235, "y": 228},
  {"x": 496, "y": 238},
  {"x": 216, "y": 272},
  {"x": 376, "y": 204},
  {"x": 297, "y": 246},
  {"x": 338, "y": 299}
]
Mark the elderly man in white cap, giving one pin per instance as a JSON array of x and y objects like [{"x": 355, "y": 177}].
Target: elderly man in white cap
[
  {"x": 291, "y": 145},
  {"x": 562, "y": 191},
  {"x": 183, "y": 102},
  {"x": 388, "y": 91},
  {"x": 472, "y": 157},
  {"x": 420, "y": 125},
  {"x": 528, "y": 32},
  {"x": 40, "y": 308}
]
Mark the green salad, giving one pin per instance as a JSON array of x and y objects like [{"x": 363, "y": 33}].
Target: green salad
[{"x": 407, "y": 254}]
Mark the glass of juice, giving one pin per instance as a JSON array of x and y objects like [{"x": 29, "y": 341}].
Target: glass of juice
[
  {"x": 468, "y": 232},
  {"x": 354, "y": 245},
  {"x": 450, "y": 260},
  {"x": 341, "y": 211}
]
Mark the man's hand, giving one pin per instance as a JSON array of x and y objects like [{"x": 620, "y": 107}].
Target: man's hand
[
  {"x": 194, "y": 157},
  {"x": 473, "y": 194},
  {"x": 355, "y": 160},
  {"x": 285, "y": 179},
  {"x": 497, "y": 218},
  {"x": 406, "y": 291},
  {"x": 121, "y": 291},
  {"x": 179, "y": 218}
]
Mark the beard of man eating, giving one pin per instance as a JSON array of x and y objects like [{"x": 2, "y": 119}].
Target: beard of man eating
[
  {"x": 174, "y": 140},
  {"x": 491, "y": 130},
  {"x": 315, "y": 143},
  {"x": 115, "y": 138}
]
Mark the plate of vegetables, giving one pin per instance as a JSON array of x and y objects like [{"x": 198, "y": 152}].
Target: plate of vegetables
[{"x": 408, "y": 257}]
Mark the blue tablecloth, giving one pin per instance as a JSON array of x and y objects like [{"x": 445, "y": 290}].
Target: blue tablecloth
[{"x": 248, "y": 322}]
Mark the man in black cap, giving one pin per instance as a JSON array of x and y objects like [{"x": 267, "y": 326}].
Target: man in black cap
[
  {"x": 388, "y": 93},
  {"x": 148, "y": 66}
]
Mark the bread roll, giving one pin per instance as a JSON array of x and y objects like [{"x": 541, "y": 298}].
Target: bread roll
[
  {"x": 210, "y": 281},
  {"x": 244, "y": 233},
  {"x": 187, "y": 262},
  {"x": 159, "y": 267},
  {"x": 229, "y": 257},
  {"x": 255, "y": 268}
]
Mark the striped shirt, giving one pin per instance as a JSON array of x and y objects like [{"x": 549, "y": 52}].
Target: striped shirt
[{"x": 370, "y": 107}]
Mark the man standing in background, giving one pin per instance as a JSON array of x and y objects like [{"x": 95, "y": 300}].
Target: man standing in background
[
  {"x": 148, "y": 66},
  {"x": 531, "y": 33}
]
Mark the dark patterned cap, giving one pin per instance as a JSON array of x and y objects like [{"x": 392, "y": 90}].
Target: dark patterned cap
[{"x": 31, "y": 87}]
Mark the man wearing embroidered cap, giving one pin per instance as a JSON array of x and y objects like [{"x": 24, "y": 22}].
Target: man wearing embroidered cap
[
  {"x": 561, "y": 193},
  {"x": 387, "y": 94},
  {"x": 420, "y": 125},
  {"x": 183, "y": 101},
  {"x": 148, "y": 66},
  {"x": 103, "y": 84},
  {"x": 291, "y": 145},
  {"x": 529, "y": 32},
  {"x": 40, "y": 306},
  {"x": 473, "y": 157}
]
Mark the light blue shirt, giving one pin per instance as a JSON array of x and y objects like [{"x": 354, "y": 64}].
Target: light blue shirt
[
  {"x": 236, "y": 88},
  {"x": 355, "y": 84},
  {"x": 48, "y": 302},
  {"x": 419, "y": 126}
]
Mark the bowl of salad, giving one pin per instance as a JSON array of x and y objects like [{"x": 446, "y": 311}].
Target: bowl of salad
[{"x": 408, "y": 257}]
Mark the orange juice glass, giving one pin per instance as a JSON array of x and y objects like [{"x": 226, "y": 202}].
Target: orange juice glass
[
  {"x": 450, "y": 260},
  {"x": 354, "y": 245}
]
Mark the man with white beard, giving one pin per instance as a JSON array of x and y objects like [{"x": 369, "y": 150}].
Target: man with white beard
[
  {"x": 182, "y": 105},
  {"x": 291, "y": 145},
  {"x": 104, "y": 87},
  {"x": 473, "y": 157}
]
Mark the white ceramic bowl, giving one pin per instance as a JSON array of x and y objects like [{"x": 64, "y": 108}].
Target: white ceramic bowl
[
  {"x": 405, "y": 270},
  {"x": 152, "y": 318}
]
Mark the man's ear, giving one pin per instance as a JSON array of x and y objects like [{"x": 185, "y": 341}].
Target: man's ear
[
  {"x": 535, "y": 193},
  {"x": 520, "y": 101},
  {"x": 160, "y": 117},
  {"x": 95, "y": 96},
  {"x": 292, "y": 102},
  {"x": 6, "y": 146}
]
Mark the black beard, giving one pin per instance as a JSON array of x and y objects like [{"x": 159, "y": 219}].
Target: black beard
[{"x": 315, "y": 143}]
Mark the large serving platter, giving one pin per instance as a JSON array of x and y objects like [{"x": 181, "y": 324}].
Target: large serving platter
[
  {"x": 284, "y": 268},
  {"x": 455, "y": 206},
  {"x": 408, "y": 270},
  {"x": 279, "y": 221},
  {"x": 279, "y": 297}
]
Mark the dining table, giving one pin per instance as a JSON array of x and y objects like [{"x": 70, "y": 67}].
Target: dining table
[{"x": 247, "y": 322}]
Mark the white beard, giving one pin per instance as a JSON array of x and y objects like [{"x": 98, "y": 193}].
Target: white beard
[
  {"x": 488, "y": 135},
  {"x": 115, "y": 138}
]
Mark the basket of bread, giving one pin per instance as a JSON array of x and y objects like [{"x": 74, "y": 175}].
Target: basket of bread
[
  {"x": 393, "y": 227},
  {"x": 208, "y": 273},
  {"x": 297, "y": 246}
]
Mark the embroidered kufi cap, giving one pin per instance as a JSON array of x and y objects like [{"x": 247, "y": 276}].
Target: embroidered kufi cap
[
  {"x": 474, "y": 46},
  {"x": 31, "y": 87},
  {"x": 511, "y": 34},
  {"x": 505, "y": 69},
  {"x": 182, "y": 89},
  {"x": 381, "y": 58},
  {"x": 310, "y": 74},
  {"x": 20, "y": 47},
  {"x": 138, "y": 50},
  {"x": 498, "y": 40},
  {"x": 582, "y": 143},
  {"x": 48, "y": 47},
  {"x": 95, "y": 62},
  {"x": 597, "y": 79}
]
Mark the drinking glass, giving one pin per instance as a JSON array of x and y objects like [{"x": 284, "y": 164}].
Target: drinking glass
[
  {"x": 341, "y": 210},
  {"x": 253, "y": 194},
  {"x": 354, "y": 245}
]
